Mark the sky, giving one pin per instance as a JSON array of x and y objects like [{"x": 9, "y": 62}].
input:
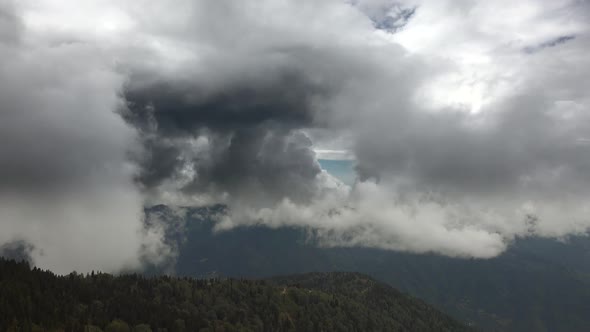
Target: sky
[{"x": 464, "y": 124}]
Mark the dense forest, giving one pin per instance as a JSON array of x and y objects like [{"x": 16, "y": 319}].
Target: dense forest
[{"x": 37, "y": 300}]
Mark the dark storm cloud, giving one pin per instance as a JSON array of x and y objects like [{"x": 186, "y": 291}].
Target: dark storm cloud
[
  {"x": 234, "y": 124},
  {"x": 161, "y": 161},
  {"x": 272, "y": 163},
  {"x": 253, "y": 147},
  {"x": 257, "y": 164},
  {"x": 179, "y": 109}
]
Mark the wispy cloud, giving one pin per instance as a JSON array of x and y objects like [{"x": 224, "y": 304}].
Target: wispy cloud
[
  {"x": 549, "y": 43},
  {"x": 334, "y": 154}
]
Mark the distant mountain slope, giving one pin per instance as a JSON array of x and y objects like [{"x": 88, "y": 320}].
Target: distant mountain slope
[
  {"x": 410, "y": 313},
  {"x": 537, "y": 285},
  {"x": 35, "y": 300}
]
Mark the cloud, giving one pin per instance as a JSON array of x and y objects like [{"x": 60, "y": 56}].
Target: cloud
[
  {"x": 501, "y": 160},
  {"x": 67, "y": 186},
  {"x": 378, "y": 216},
  {"x": 550, "y": 43},
  {"x": 10, "y": 25},
  {"x": 248, "y": 137},
  {"x": 230, "y": 124},
  {"x": 387, "y": 15},
  {"x": 326, "y": 154},
  {"x": 462, "y": 141},
  {"x": 514, "y": 152}
]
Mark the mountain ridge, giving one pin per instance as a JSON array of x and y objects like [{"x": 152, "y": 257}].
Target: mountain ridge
[{"x": 37, "y": 300}]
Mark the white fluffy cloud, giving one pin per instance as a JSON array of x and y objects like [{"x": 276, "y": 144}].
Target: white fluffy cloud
[{"x": 474, "y": 134}]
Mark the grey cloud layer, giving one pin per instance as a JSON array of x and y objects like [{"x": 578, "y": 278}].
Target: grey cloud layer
[
  {"x": 218, "y": 102},
  {"x": 66, "y": 188}
]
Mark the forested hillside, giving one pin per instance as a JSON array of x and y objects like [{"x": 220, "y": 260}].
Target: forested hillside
[
  {"x": 36, "y": 300},
  {"x": 536, "y": 285}
]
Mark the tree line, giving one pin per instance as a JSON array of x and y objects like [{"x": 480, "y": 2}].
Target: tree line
[{"x": 32, "y": 299}]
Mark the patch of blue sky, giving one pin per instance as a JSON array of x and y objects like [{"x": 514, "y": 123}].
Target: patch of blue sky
[{"x": 340, "y": 169}]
